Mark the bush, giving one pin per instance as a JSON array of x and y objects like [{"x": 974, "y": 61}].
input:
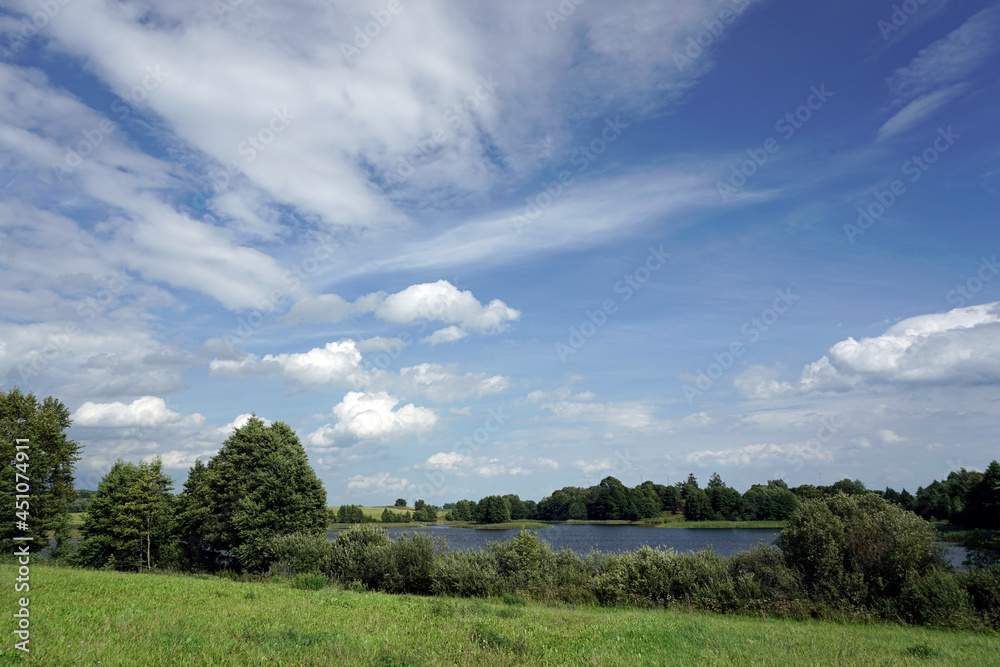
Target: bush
[
  {"x": 858, "y": 550},
  {"x": 468, "y": 573},
  {"x": 761, "y": 575},
  {"x": 703, "y": 580},
  {"x": 359, "y": 554},
  {"x": 411, "y": 565},
  {"x": 935, "y": 599},
  {"x": 298, "y": 553},
  {"x": 646, "y": 576},
  {"x": 983, "y": 587},
  {"x": 525, "y": 562}
]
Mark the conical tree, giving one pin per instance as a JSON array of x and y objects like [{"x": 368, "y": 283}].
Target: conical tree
[{"x": 258, "y": 486}]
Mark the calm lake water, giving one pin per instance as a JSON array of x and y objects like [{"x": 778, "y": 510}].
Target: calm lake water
[{"x": 610, "y": 539}]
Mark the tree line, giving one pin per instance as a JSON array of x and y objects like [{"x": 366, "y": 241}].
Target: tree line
[{"x": 967, "y": 498}]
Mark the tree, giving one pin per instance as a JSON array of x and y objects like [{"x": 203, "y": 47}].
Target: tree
[
  {"x": 714, "y": 482},
  {"x": 259, "y": 485},
  {"x": 46, "y": 467},
  {"x": 400, "y": 502},
  {"x": 193, "y": 515},
  {"x": 697, "y": 507},
  {"x": 725, "y": 502},
  {"x": 129, "y": 522},
  {"x": 859, "y": 548},
  {"x": 516, "y": 505},
  {"x": 983, "y": 505},
  {"x": 148, "y": 512},
  {"x": 352, "y": 514},
  {"x": 462, "y": 511},
  {"x": 492, "y": 509}
]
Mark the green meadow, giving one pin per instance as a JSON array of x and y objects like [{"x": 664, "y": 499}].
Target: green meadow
[{"x": 86, "y": 617}]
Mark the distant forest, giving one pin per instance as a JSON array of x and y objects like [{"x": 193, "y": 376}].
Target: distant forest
[{"x": 965, "y": 497}]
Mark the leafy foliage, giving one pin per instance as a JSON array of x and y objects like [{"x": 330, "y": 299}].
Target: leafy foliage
[
  {"x": 259, "y": 485},
  {"x": 130, "y": 522},
  {"x": 49, "y": 465}
]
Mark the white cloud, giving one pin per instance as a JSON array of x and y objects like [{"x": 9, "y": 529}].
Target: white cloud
[
  {"x": 370, "y": 416},
  {"x": 918, "y": 109},
  {"x": 441, "y": 385},
  {"x": 890, "y": 437},
  {"x": 148, "y": 411},
  {"x": 239, "y": 422},
  {"x": 381, "y": 344},
  {"x": 445, "y": 461},
  {"x": 335, "y": 364},
  {"x": 950, "y": 58},
  {"x": 444, "y": 302},
  {"x": 761, "y": 454},
  {"x": 936, "y": 75},
  {"x": 961, "y": 346},
  {"x": 378, "y": 482},
  {"x": 548, "y": 463},
  {"x": 446, "y": 335}
]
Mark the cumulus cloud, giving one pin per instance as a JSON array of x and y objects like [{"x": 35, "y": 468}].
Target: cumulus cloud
[
  {"x": 434, "y": 302},
  {"x": 335, "y": 364},
  {"x": 959, "y": 347},
  {"x": 147, "y": 412},
  {"x": 371, "y": 416},
  {"x": 442, "y": 301},
  {"x": 239, "y": 422},
  {"x": 446, "y": 335}
]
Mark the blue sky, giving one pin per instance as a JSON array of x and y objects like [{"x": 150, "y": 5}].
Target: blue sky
[{"x": 509, "y": 247}]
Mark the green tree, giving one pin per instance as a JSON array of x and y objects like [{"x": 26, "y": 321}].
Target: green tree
[
  {"x": 516, "y": 505},
  {"x": 47, "y": 464},
  {"x": 147, "y": 515},
  {"x": 128, "y": 525},
  {"x": 462, "y": 511},
  {"x": 493, "y": 509},
  {"x": 983, "y": 505},
  {"x": 351, "y": 514},
  {"x": 400, "y": 502},
  {"x": 860, "y": 549},
  {"x": 258, "y": 486},
  {"x": 697, "y": 507},
  {"x": 193, "y": 514}
]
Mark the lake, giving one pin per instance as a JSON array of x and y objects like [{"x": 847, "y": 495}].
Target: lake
[{"x": 581, "y": 538}]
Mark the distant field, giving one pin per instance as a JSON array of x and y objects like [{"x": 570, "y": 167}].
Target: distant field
[{"x": 81, "y": 617}]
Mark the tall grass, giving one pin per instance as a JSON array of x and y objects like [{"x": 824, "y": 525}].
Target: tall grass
[{"x": 82, "y": 617}]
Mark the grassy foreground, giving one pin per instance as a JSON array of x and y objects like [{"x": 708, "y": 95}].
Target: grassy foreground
[{"x": 88, "y": 617}]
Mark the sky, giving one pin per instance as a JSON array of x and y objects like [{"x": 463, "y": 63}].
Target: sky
[{"x": 476, "y": 248}]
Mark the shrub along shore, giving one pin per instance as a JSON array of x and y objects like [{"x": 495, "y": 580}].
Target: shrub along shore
[{"x": 845, "y": 557}]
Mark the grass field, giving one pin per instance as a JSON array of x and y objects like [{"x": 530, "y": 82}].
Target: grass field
[{"x": 89, "y": 617}]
